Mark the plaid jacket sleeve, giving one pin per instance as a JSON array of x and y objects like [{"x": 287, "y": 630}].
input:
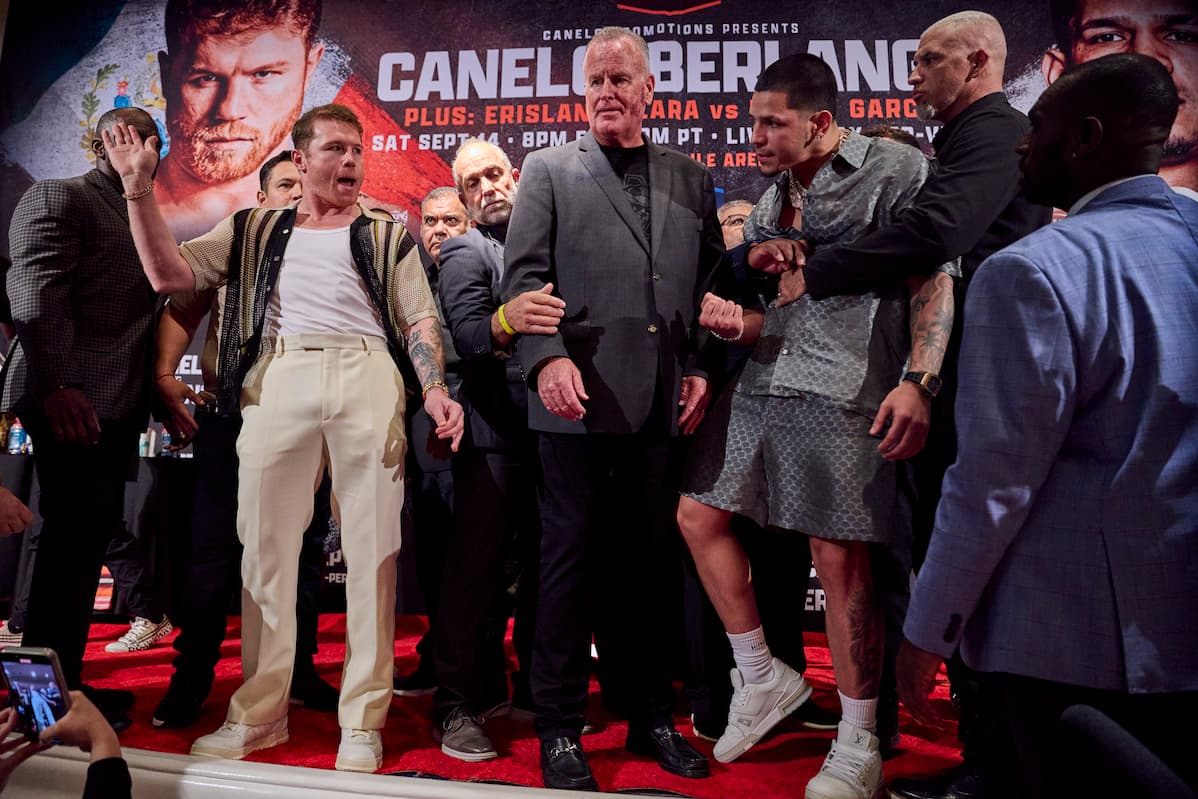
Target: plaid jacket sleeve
[{"x": 46, "y": 243}]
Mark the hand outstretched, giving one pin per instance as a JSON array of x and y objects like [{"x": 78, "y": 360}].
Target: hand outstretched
[{"x": 129, "y": 155}]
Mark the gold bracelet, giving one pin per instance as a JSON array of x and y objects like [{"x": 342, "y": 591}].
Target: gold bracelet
[
  {"x": 511, "y": 331},
  {"x": 430, "y": 385},
  {"x": 138, "y": 195}
]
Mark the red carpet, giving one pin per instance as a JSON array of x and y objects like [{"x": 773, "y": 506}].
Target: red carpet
[{"x": 777, "y": 767}]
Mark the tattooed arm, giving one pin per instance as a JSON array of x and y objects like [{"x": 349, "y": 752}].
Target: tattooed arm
[
  {"x": 907, "y": 407},
  {"x": 931, "y": 321},
  {"x": 428, "y": 358}
]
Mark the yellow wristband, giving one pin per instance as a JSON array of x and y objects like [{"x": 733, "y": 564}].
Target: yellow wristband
[
  {"x": 511, "y": 331},
  {"x": 429, "y": 386}
]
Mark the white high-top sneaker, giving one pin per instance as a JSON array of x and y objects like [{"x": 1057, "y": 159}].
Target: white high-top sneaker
[
  {"x": 756, "y": 707},
  {"x": 234, "y": 740},
  {"x": 852, "y": 769},
  {"x": 360, "y": 750}
]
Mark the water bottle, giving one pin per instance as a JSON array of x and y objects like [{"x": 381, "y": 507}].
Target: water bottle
[{"x": 17, "y": 438}]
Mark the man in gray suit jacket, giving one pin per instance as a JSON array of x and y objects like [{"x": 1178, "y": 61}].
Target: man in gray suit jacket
[
  {"x": 627, "y": 234},
  {"x": 1065, "y": 556},
  {"x": 83, "y": 310}
]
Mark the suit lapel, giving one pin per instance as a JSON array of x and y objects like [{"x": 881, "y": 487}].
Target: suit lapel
[
  {"x": 597, "y": 164},
  {"x": 660, "y": 186},
  {"x": 110, "y": 195}
]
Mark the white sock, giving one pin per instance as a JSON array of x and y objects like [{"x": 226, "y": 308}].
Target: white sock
[
  {"x": 861, "y": 713},
  {"x": 752, "y": 655}
]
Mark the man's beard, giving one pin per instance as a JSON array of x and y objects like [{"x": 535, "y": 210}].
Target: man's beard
[
  {"x": 212, "y": 165},
  {"x": 499, "y": 215},
  {"x": 925, "y": 111},
  {"x": 1177, "y": 150}
]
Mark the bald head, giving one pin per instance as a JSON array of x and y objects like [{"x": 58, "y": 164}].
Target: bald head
[
  {"x": 485, "y": 179},
  {"x": 1132, "y": 96},
  {"x": 972, "y": 31},
  {"x": 139, "y": 119},
  {"x": 136, "y": 118},
  {"x": 960, "y": 60},
  {"x": 1101, "y": 121}
]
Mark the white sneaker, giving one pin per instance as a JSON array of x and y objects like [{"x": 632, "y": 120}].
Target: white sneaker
[
  {"x": 142, "y": 634},
  {"x": 360, "y": 750},
  {"x": 9, "y": 637},
  {"x": 234, "y": 740},
  {"x": 852, "y": 769},
  {"x": 757, "y": 707}
]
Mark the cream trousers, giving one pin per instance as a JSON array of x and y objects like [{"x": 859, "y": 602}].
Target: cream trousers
[{"x": 317, "y": 400}]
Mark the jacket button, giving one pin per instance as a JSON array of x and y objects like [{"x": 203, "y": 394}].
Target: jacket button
[
  {"x": 656, "y": 276},
  {"x": 652, "y": 328}
]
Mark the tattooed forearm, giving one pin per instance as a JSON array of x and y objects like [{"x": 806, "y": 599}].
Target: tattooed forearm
[
  {"x": 931, "y": 322},
  {"x": 424, "y": 348}
]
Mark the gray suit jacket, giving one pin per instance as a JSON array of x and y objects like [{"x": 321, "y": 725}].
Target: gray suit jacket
[
  {"x": 82, "y": 306},
  {"x": 631, "y": 304},
  {"x": 1066, "y": 541},
  {"x": 493, "y": 391}
]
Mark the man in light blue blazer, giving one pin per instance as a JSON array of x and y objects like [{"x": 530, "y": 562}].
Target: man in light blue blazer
[{"x": 1065, "y": 556}]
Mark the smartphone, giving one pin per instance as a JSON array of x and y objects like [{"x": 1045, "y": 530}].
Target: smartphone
[{"x": 36, "y": 687}]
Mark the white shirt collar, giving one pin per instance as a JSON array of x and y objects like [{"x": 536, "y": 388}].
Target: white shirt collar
[{"x": 1085, "y": 199}]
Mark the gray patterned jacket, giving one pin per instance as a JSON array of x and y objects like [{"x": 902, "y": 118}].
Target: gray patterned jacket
[{"x": 82, "y": 306}]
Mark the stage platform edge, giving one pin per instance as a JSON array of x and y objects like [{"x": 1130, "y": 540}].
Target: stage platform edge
[{"x": 59, "y": 774}]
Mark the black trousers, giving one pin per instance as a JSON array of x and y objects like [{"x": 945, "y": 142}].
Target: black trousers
[
  {"x": 639, "y": 473},
  {"x": 432, "y": 523},
  {"x": 1049, "y": 761},
  {"x": 781, "y": 565},
  {"x": 126, "y": 561},
  {"x": 212, "y": 570},
  {"x": 495, "y": 522},
  {"x": 82, "y": 505}
]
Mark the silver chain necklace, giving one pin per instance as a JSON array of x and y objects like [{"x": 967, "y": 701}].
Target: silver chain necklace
[{"x": 796, "y": 192}]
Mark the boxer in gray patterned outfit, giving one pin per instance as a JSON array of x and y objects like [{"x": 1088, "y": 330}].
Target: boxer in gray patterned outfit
[{"x": 810, "y": 439}]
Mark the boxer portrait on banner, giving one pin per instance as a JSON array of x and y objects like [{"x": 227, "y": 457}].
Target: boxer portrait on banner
[
  {"x": 1166, "y": 30},
  {"x": 233, "y": 75}
]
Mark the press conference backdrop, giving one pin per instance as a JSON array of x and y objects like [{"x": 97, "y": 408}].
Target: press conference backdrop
[{"x": 424, "y": 78}]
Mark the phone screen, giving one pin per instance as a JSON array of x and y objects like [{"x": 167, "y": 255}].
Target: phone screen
[{"x": 33, "y": 690}]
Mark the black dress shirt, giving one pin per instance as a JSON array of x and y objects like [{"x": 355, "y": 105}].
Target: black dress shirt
[{"x": 970, "y": 207}]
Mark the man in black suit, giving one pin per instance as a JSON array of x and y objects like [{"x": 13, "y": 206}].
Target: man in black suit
[
  {"x": 428, "y": 468},
  {"x": 83, "y": 310},
  {"x": 496, "y": 466},
  {"x": 626, "y": 232}
]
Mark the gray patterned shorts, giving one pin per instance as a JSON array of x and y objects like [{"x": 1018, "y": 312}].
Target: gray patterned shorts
[{"x": 799, "y": 464}]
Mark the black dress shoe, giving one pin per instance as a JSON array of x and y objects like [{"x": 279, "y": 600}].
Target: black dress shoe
[
  {"x": 111, "y": 700},
  {"x": 179, "y": 707},
  {"x": 670, "y": 749},
  {"x": 564, "y": 766},
  {"x": 419, "y": 683},
  {"x": 814, "y": 717},
  {"x": 308, "y": 690},
  {"x": 461, "y": 735},
  {"x": 960, "y": 782}
]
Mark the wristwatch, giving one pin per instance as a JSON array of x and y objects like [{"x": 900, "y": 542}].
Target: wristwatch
[{"x": 928, "y": 382}]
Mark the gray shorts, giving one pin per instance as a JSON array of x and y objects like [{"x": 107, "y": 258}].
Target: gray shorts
[{"x": 798, "y": 463}]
